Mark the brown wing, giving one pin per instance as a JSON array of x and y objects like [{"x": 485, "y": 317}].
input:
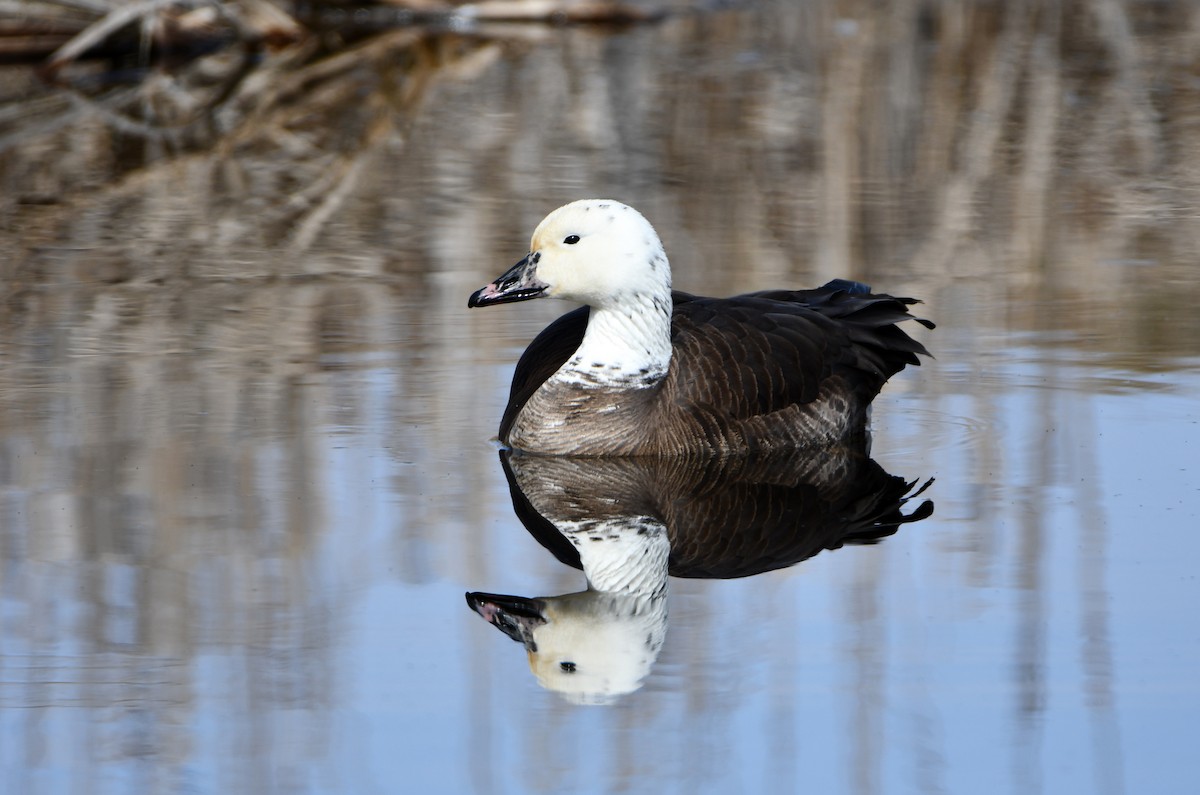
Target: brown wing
[
  {"x": 784, "y": 344},
  {"x": 759, "y": 353}
]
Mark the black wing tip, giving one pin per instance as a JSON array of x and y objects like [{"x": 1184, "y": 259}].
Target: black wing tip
[{"x": 848, "y": 286}]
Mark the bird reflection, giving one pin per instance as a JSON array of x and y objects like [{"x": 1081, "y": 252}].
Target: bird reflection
[{"x": 628, "y": 523}]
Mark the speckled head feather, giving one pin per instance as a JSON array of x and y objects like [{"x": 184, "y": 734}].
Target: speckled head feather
[{"x": 601, "y": 253}]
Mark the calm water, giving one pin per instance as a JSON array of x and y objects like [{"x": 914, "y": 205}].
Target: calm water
[{"x": 247, "y": 471}]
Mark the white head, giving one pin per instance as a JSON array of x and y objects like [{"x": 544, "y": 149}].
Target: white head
[
  {"x": 595, "y": 251},
  {"x": 596, "y": 646},
  {"x": 590, "y": 646}
]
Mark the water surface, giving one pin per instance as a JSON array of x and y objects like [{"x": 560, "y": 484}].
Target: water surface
[{"x": 246, "y": 462}]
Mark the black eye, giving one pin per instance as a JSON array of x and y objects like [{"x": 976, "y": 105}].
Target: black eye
[
  {"x": 571, "y": 240},
  {"x": 568, "y": 667}
]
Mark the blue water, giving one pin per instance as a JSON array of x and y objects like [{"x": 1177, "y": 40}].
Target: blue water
[{"x": 309, "y": 634}]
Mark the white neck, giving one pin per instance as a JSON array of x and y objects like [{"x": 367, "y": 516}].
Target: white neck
[
  {"x": 627, "y": 344},
  {"x": 630, "y": 555}
]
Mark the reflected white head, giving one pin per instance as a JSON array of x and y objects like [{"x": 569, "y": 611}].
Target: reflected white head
[{"x": 596, "y": 646}]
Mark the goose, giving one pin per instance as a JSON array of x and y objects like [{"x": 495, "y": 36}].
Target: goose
[
  {"x": 642, "y": 370},
  {"x": 630, "y": 522}
]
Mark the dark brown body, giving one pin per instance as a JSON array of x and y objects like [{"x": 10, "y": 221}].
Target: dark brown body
[{"x": 757, "y": 372}]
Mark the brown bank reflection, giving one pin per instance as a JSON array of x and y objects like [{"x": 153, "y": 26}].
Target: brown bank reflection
[{"x": 628, "y": 523}]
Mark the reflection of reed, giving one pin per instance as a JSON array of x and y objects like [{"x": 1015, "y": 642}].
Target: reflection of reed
[
  {"x": 1042, "y": 147},
  {"x": 166, "y": 474}
]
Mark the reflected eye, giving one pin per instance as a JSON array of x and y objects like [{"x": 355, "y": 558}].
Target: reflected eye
[
  {"x": 568, "y": 667},
  {"x": 571, "y": 240}
]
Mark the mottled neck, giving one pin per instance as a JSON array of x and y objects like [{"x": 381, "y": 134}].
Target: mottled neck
[
  {"x": 627, "y": 344},
  {"x": 622, "y": 555}
]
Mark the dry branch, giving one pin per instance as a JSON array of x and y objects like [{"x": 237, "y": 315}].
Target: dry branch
[{"x": 111, "y": 22}]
